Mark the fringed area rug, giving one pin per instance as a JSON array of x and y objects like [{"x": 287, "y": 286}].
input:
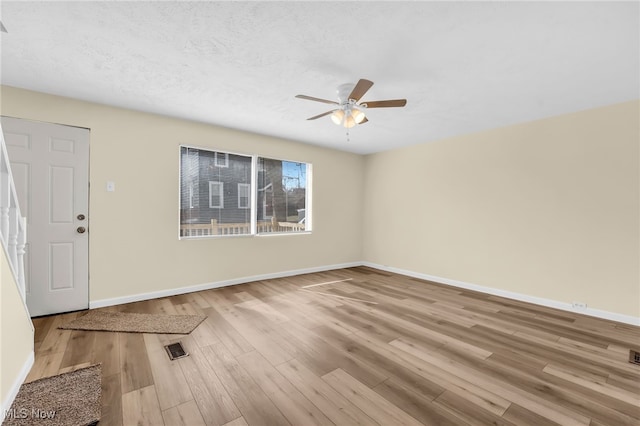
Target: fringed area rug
[
  {"x": 66, "y": 399},
  {"x": 135, "y": 323}
]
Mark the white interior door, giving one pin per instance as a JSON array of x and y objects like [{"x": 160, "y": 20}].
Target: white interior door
[{"x": 50, "y": 165}]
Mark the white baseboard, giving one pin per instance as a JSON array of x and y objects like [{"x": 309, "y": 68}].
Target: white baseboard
[
  {"x": 207, "y": 286},
  {"x": 13, "y": 392},
  {"x": 627, "y": 319},
  {"x": 564, "y": 306}
]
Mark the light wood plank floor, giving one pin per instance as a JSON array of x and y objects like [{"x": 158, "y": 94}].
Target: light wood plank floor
[{"x": 356, "y": 346}]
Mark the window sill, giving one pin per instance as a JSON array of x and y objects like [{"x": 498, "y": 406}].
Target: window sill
[
  {"x": 275, "y": 234},
  {"x": 270, "y": 234}
]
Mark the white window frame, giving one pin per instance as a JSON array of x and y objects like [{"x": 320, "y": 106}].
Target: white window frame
[
  {"x": 216, "y": 159},
  {"x": 248, "y": 195},
  {"x": 308, "y": 204},
  {"x": 212, "y": 183}
]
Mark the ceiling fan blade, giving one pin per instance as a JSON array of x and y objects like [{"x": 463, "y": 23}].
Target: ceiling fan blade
[
  {"x": 320, "y": 115},
  {"x": 361, "y": 88},
  {"x": 364, "y": 120},
  {"x": 311, "y": 98},
  {"x": 386, "y": 104}
]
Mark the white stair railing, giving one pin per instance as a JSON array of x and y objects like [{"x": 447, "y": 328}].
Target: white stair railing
[{"x": 13, "y": 226}]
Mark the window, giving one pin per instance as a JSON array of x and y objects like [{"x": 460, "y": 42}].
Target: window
[
  {"x": 246, "y": 194},
  {"x": 221, "y": 159},
  {"x": 216, "y": 195},
  {"x": 282, "y": 196}
]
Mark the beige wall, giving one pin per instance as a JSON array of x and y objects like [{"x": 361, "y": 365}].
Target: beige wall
[
  {"x": 547, "y": 209},
  {"x": 16, "y": 333},
  {"x": 133, "y": 231}
]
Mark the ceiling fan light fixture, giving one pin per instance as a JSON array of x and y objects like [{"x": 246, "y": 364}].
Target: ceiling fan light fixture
[
  {"x": 337, "y": 116},
  {"x": 348, "y": 116},
  {"x": 349, "y": 121},
  {"x": 357, "y": 114}
]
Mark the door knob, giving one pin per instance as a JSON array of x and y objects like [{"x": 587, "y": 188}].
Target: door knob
[{"x": 81, "y": 229}]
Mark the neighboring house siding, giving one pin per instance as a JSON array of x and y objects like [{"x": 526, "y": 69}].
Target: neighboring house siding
[
  {"x": 211, "y": 183},
  {"x": 200, "y": 168}
]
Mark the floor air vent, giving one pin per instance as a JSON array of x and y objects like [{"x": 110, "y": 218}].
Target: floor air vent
[
  {"x": 175, "y": 351},
  {"x": 634, "y": 357}
]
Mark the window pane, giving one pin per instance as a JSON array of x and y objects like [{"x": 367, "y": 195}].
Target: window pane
[
  {"x": 209, "y": 197},
  {"x": 282, "y": 196},
  {"x": 221, "y": 159},
  {"x": 216, "y": 195},
  {"x": 244, "y": 196}
]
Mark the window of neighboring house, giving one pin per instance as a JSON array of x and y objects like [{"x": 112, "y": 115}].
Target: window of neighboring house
[
  {"x": 221, "y": 159},
  {"x": 244, "y": 195},
  {"x": 216, "y": 195},
  {"x": 191, "y": 193}
]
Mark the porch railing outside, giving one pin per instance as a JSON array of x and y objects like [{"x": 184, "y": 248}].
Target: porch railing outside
[
  {"x": 214, "y": 228},
  {"x": 13, "y": 226}
]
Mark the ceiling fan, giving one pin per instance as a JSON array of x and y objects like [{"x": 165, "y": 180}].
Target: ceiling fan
[{"x": 349, "y": 110}]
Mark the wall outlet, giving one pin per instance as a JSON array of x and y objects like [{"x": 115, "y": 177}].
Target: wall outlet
[{"x": 578, "y": 305}]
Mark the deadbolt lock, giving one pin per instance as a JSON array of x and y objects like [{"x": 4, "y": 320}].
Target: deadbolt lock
[{"x": 81, "y": 217}]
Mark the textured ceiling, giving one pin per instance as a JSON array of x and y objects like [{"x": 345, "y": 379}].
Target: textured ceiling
[{"x": 463, "y": 66}]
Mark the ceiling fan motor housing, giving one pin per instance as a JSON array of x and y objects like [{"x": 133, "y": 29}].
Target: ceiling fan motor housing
[{"x": 343, "y": 91}]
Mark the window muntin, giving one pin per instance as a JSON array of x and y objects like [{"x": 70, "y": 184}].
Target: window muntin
[{"x": 241, "y": 194}]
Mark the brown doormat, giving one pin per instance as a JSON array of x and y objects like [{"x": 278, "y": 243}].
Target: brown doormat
[
  {"x": 66, "y": 399},
  {"x": 135, "y": 323}
]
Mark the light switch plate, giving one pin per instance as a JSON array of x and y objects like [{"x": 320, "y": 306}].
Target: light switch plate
[{"x": 111, "y": 186}]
